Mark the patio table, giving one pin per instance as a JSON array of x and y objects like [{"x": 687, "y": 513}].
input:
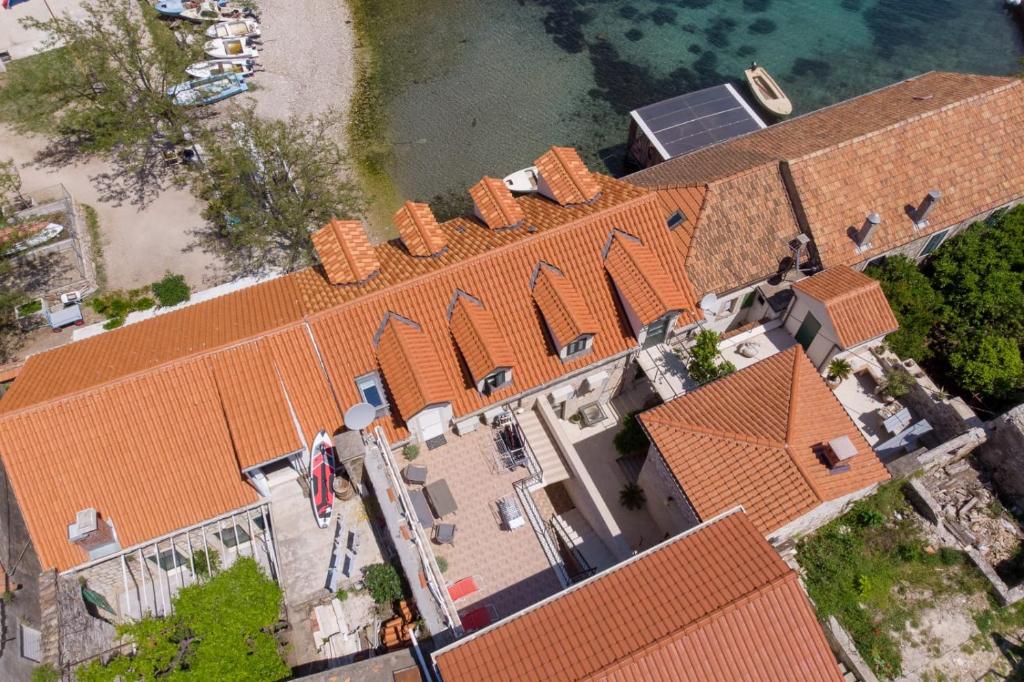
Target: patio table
[
  {"x": 441, "y": 498},
  {"x": 422, "y": 509},
  {"x": 897, "y": 422}
]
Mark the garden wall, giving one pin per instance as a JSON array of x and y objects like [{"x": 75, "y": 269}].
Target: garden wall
[{"x": 1004, "y": 453}]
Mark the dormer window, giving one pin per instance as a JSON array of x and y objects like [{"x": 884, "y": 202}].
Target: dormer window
[
  {"x": 577, "y": 346},
  {"x": 676, "y": 219},
  {"x": 372, "y": 391},
  {"x": 495, "y": 380}
]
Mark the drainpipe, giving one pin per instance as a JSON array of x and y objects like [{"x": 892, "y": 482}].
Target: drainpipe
[{"x": 419, "y": 655}]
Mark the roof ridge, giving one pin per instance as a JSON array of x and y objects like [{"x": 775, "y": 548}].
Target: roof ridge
[
  {"x": 787, "y": 576},
  {"x": 798, "y": 355},
  {"x": 733, "y": 436}
]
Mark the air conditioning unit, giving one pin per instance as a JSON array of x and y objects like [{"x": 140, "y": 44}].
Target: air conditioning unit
[{"x": 71, "y": 297}]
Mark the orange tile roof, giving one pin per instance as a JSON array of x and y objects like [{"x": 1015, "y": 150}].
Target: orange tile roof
[
  {"x": 412, "y": 370},
  {"x": 153, "y": 454},
  {"x": 495, "y": 204},
  {"x": 566, "y": 176},
  {"x": 345, "y": 252},
  {"x": 752, "y": 438},
  {"x": 856, "y": 304},
  {"x": 716, "y": 603},
  {"x": 419, "y": 230},
  {"x": 562, "y": 305},
  {"x": 881, "y": 152},
  {"x": 641, "y": 279},
  {"x": 480, "y": 340}
]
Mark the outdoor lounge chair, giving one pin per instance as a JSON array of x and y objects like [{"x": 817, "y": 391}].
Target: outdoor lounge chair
[
  {"x": 444, "y": 534},
  {"x": 415, "y": 473}
]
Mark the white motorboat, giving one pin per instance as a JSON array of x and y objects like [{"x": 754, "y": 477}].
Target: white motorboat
[
  {"x": 523, "y": 180},
  {"x": 216, "y": 67},
  {"x": 236, "y": 28},
  {"x": 230, "y": 48}
]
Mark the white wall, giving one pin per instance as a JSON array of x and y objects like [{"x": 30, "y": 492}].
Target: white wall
[
  {"x": 430, "y": 415},
  {"x": 723, "y": 321},
  {"x": 824, "y": 345}
]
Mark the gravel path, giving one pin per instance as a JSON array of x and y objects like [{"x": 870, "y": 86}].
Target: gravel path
[{"x": 307, "y": 59}]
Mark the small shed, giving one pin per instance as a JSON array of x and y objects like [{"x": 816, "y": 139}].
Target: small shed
[{"x": 686, "y": 123}]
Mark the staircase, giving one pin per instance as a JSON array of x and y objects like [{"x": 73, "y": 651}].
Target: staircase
[
  {"x": 543, "y": 448},
  {"x": 579, "y": 536}
]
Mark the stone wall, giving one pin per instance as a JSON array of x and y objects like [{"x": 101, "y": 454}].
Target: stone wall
[
  {"x": 666, "y": 502},
  {"x": 842, "y": 646},
  {"x": 818, "y": 517},
  {"x": 1003, "y": 454}
]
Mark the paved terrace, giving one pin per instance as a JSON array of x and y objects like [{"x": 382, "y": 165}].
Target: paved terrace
[{"x": 509, "y": 567}]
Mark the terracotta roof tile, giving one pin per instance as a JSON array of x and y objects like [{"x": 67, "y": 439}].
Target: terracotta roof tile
[
  {"x": 753, "y": 437},
  {"x": 714, "y": 604},
  {"x": 641, "y": 279},
  {"x": 562, "y": 305},
  {"x": 153, "y": 454},
  {"x": 419, "y": 230},
  {"x": 345, "y": 252},
  {"x": 566, "y": 177},
  {"x": 495, "y": 204},
  {"x": 483, "y": 345},
  {"x": 412, "y": 370},
  {"x": 856, "y": 304}
]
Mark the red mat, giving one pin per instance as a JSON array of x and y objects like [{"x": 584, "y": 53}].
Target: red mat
[
  {"x": 479, "y": 617},
  {"x": 462, "y": 588}
]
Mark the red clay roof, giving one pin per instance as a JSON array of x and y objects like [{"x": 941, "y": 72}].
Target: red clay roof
[
  {"x": 412, "y": 370},
  {"x": 856, "y": 304},
  {"x": 562, "y": 305},
  {"x": 716, "y": 603},
  {"x": 566, "y": 176},
  {"x": 495, "y": 204},
  {"x": 483, "y": 345},
  {"x": 419, "y": 230},
  {"x": 641, "y": 279},
  {"x": 752, "y": 438},
  {"x": 345, "y": 252}
]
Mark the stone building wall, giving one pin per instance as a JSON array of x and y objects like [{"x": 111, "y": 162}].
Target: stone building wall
[{"x": 1003, "y": 454}]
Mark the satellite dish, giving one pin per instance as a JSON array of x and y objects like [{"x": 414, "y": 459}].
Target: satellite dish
[
  {"x": 709, "y": 304},
  {"x": 359, "y": 416}
]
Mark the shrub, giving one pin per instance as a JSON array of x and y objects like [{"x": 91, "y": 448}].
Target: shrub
[
  {"x": 632, "y": 496},
  {"x": 31, "y": 308},
  {"x": 171, "y": 290},
  {"x": 383, "y": 582},
  {"x": 206, "y": 564},
  {"x": 411, "y": 451},
  {"x": 631, "y": 439},
  {"x": 839, "y": 369},
  {"x": 45, "y": 673},
  {"x": 116, "y": 305},
  {"x": 897, "y": 382},
  {"x": 705, "y": 364},
  {"x": 341, "y": 594},
  {"x": 442, "y": 564}
]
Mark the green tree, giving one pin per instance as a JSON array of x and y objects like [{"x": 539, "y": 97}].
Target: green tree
[
  {"x": 705, "y": 363},
  {"x": 10, "y": 190},
  {"x": 383, "y": 582},
  {"x": 269, "y": 185},
  {"x": 917, "y": 305},
  {"x": 989, "y": 365},
  {"x": 219, "y": 630}
]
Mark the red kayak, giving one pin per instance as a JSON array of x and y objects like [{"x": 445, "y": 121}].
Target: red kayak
[{"x": 321, "y": 478}]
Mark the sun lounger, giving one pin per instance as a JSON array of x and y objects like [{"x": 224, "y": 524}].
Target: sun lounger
[
  {"x": 462, "y": 588},
  {"x": 476, "y": 619},
  {"x": 422, "y": 509}
]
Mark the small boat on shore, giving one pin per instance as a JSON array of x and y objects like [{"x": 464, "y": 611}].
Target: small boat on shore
[
  {"x": 321, "y": 478},
  {"x": 767, "y": 92},
  {"x": 230, "y": 48},
  {"x": 217, "y": 67},
  {"x": 236, "y": 28},
  {"x": 523, "y": 180},
  {"x": 211, "y": 11},
  {"x": 170, "y": 8},
  {"x": 207, "y": 90}
]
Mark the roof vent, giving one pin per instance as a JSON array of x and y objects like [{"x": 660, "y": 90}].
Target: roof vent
[
  {"x": 925, "y": 207},
  {"x": 839, "y": 451},
  {"x": 867, "y": 230}
]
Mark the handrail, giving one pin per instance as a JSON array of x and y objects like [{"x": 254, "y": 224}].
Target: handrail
[{"x": 523, "y": 487}]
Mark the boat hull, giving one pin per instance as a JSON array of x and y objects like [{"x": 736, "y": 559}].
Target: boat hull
[
  {"x": 207, "y": 90},
  {"x": 230, "y": 48},
  {"x": 236, "y": 28},
  {"x": 767, "y": 92},
  {"x": 522, "y": 181},
  {"x": 218, "y": 67}
]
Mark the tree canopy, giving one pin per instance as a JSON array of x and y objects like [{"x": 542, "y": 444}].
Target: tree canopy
[
  {"x": 219, "y": 630},
  {"x": 914, "y": 301}
]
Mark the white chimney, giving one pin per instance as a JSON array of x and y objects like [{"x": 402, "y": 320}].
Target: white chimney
[
  {"x": 927, "y": 204},
  {"x": 93, "y": 533},
  {"x": 871, "y": 224}
]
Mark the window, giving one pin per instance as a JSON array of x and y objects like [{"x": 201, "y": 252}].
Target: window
[
  {"x": 727, "y": 307},
  {"x": 577, "y": 346},
  {"x": 232, "y": 536},
  {"x": 495, "y": 380},
  {"x": 876, "y": 262},
  {"x": 169, "y": 559},
  {"x": 372, "y": 390},
  {"x": 676, "y": 219},
  {"x": 995, "y": 216},
  {"x": 748, "y": 300},
  {"x": 933, "y": 243},
  {"x": 261, "y": 522}
]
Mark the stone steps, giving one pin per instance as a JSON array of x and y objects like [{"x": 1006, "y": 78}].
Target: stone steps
[{"x": 543, "y": 448}]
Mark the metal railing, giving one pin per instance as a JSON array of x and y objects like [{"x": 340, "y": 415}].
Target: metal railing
[
  {"x": 585, "y": 569},
  {"x": 523, "y": 487}
]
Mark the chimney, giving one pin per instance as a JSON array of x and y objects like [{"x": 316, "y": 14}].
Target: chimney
[
  {"x": 927, "y": 204},
  {"x": 839, "y": 451},
  {"x": 419, "y": 230},
  {"x": 91, "y": 532},
  {"x": 867, "y": 230}
]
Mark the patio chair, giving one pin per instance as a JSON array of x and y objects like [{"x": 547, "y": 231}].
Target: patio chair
[
  {"x": 415, "y": 473},
  {"x": 444, "y": 534}
]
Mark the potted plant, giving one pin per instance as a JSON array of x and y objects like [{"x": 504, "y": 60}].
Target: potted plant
[{"x": 839, "y": 370}]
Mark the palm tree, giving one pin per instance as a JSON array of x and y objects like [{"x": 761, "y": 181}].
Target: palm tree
[
  {"x": 839, "y": 369},
  {"x": 632, "y": 496}
]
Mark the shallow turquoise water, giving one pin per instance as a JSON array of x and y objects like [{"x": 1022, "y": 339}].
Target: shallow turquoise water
[{"x": 485, "y": 85}]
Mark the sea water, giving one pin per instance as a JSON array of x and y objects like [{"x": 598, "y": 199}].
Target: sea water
[{"x": 482, "y": 87}]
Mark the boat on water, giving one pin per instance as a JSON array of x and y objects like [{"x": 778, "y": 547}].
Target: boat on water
[
  {"x": 230, "y": 48},
  {"x": 321, "y": 478},
  {"x": 217, "y": 67},
  {"x": 236, "y": 28},
  {"x": 208, "y": 90},
  {"x": 523, "y": 180},
  {"x": 211, "y": 11},
  {"x": 767, "y": 92}
]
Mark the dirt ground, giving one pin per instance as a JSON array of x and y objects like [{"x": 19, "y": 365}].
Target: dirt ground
[{"x": 142, "y": 242}]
